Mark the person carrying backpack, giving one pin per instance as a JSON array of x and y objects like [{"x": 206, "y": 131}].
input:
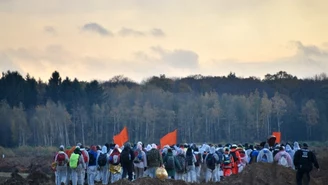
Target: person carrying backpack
[
  {"x": 127, "y": 157},
  {"x": 92, "y": 165},
  {"x": 61, "y": 161},
  {"x": 77, "y": 165},
  {"x": 283, "y": 158},
  {"x": 304, "y": 159},
  {"x": 102, "y": 164},
  {"x": 114, "y": 165},
  {"x": 190, "y": 166},
  {"x": 85, "y": 156},
  {"x": 253, "y": 154},
  {"x": 211, "y": 160},
  {"x": 171, "y": 163},
  {"x": 243, "y": 158},
  {"x": 227, "y": 162},
  {"x": 198, "y": 163},
  {"x": 236, "y": 157},
  {"x": 265, "y": 155},
  {"x": 182, "y": 164},
  {"x": 154, "y": 160},
  {"x": 140, "y": 162}
]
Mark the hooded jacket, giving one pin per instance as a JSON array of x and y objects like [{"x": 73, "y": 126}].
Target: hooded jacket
[
  {"x": 267, "y": 152},
  {"x": 290, "y": 151},
  {"x": 280, "y": 154}
]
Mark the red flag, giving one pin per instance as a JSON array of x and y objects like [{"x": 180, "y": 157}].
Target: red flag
[
  {"x": 169, "y": 139},
  {"x": 122, "y": 137},
  {"x": 278, "y": 136}
]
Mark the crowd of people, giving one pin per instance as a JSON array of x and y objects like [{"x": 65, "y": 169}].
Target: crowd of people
[{"x": 109, "y": 163}]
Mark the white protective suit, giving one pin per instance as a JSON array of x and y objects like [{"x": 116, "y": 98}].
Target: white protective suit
[
  {"x": 104, "y": 173},
  {"x": 211, "y": 174},
  {"x": 267, "y": 152}
]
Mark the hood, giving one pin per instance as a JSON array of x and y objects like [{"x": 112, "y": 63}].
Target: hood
[
  {"x": 148, "y": 148},
  {"x": 212, "y": 150},
  {"x": 104, "y": 149},
  {"x": 296, "y": 146},
  {"x": 288, "y": 148},
  {"x": 266, "y": 145},
  {"x": 154, "y": 146}
]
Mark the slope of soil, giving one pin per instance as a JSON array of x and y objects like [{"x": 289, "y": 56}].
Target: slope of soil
[{"x": 26, "y": 164}]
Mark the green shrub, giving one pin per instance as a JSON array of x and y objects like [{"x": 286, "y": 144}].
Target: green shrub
[
  {"x": 34, "y": 151},
  {"x": 7, "y": 151}
]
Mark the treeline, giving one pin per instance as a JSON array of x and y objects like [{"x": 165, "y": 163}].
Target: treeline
[{"x": 202, "y": 108}]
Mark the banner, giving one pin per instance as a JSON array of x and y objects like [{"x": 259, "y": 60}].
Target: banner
[
  {"x": 278, "y": 136},
  {"x": 122, "y": 137},
  {"x": 169, "y": 139}
]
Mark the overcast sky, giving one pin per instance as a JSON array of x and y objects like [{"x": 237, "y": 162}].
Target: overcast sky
[{"x": 98, "y": 39}]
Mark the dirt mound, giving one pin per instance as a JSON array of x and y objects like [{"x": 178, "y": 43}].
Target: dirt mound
[
  {"x": 37, "y": 178},
  {"x": 151, "y": 181},
  {"x": 26, "y": 164},
  {"x": 265, "y": 174},
  {"x": 15, "y": 179}
]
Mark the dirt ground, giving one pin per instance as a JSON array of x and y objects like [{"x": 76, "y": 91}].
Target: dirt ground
[{"x": 255, "y": 174}]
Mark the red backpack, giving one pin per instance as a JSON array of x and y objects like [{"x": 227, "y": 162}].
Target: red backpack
[
  {"x": 61, "y": 157},
  {"x": 85, "y": 156}
]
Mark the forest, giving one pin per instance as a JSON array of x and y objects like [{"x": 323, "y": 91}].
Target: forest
[{"x": 213, "y": 109}]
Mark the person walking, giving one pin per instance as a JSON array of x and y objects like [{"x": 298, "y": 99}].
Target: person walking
[{"x": 304, "y": 159}]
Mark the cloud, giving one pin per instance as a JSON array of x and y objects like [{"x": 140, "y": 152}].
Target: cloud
[
  {"x": 325, "y": 44},
  {"x": 124, "y": 32},
  {"x": 178, "y": 58},
  {"x": 6, "y": 64},
  {"x": 41, "y": 62},
  {"x": 156, "y": 32},
  {"x": 307, "y": 61},
  {"x": 50, "y": 30},
  {"x": 129, "y": 32},
  {"x": 96, "y": 28}
]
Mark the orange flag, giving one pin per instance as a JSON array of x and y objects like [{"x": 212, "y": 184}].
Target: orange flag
[
  {"x": 169, "y": 139},
  {"x": 122, "y": 137},
  {"x": 278, "y": 136}
]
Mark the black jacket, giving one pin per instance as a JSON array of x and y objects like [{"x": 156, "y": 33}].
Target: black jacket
[{"x": 304, "y": 160}]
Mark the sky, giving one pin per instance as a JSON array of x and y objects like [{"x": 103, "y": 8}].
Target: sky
[{"x": 99, "y": 39}]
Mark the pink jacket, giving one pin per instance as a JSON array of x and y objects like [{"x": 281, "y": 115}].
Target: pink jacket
[{"x": 289, "y": 159}]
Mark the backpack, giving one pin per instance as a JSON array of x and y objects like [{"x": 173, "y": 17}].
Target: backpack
[
  {"x": 102, "y": 159},
  {"x": 85, "y": 156},
  {"x": 114, "y": 159},
  {"x": 198, "y": 161},
  {"x": 74, "y": 160},
  {"x": 125, "y": 156},
  {"x": 226, "y": 159},
  {"x": 242, "y": 153},
  {"x": 283, "y": 161},
  {"x": 170, "y": 163},
  {"x": 182, "y": 162},
  {"x": 152, "y": 155},
  {"x": 235, "y": 158},
  {"x": 92, "y": 159},
  {"x": 210, "y": 161},
  {"x": 139, "y": 157},
  {"x": 61, "y": 157},
  {"x": 189, "y": 160}
]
